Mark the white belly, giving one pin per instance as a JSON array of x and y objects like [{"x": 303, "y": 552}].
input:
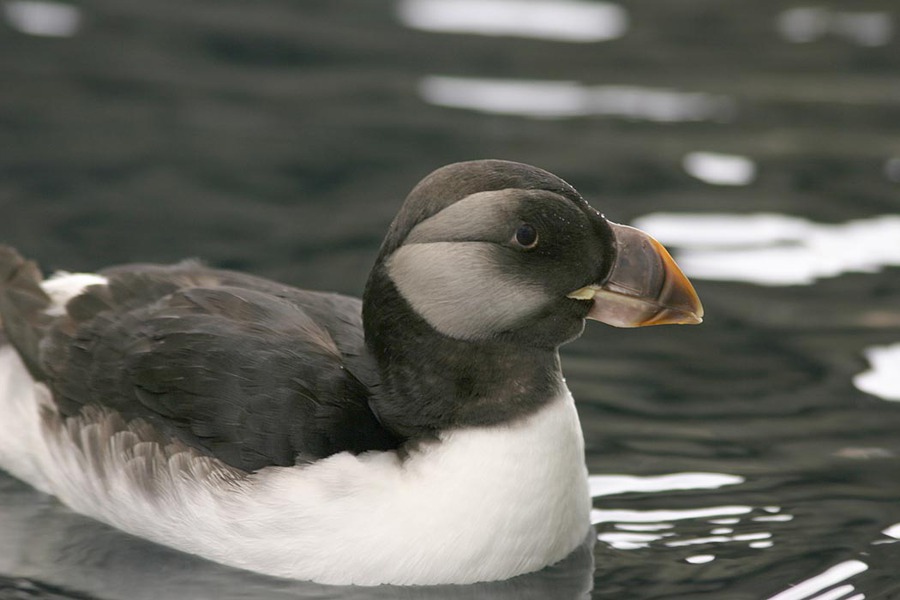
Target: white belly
[{"x": 479, "y": 504}]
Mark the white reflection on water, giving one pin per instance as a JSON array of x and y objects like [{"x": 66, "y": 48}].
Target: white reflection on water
[
  {"x": 808, "y": 24},
  {"x": 774, "y": 518},
  {"x": 882, "y": 379},
  {"x": 662, "y": 515},
  {"x": 561, "y": 20},
  {"x": 636, "y": 529},
  {"x": 893, "y": 531},
  {"x": 606, "y": 485},
  {"x": 43, "y": 18},
  {"x": 561, "y": 99},
  {"x": 892, "y": 168},
  {"x": 836, "y": 574},
  {"x": 720, "y": 169},
  {"x": 623, "y": 540},
  {"x": 839, "y": 593},
  {"x": 718, "y": 539},
  {"x": 773, "y": 249},
  {"x": 700, "y": 559},
  {"x": 723, "y": 530},
  {"x": 643, "y": 526}
]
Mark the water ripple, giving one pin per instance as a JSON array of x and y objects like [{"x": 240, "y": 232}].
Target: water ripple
[
  {"x": 607, "y": 485},
  {"x": 562, "y": 99},
  {"x": 773, "y": 249},
  {"x": 893, "y": 531},
  {"x": 559, "y": 20},
  {"x": 882, "y": 379},
  {"x": 836, "y": 574},
  {"x": 43, "y": 18},
  {"x": 720, "y": 169},
  {"x": 808, "y": 24}
]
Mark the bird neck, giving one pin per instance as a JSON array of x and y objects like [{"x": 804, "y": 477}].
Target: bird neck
[{"x": 431, "y": 382}]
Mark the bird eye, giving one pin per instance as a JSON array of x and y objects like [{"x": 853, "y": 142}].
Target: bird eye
[{"x": 526, "y": 236}]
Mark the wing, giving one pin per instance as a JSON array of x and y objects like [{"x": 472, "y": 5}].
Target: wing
[{"x": 249, "y": 371}]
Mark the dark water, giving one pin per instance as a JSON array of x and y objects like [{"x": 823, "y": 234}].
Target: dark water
[{"x": 279, "y": 137}]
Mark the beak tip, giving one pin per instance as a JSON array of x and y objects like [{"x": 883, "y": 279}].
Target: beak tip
[
  {"x": 695, "y": 316},
  {"x": 674, "y": 316},
  {"x": 692, "y": 315}
]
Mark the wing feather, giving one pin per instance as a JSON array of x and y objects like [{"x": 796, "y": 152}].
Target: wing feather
[{"x": 247, "y": 370}]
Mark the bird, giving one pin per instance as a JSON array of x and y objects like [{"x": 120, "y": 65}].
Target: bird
[{"x": 421, "y": 435}]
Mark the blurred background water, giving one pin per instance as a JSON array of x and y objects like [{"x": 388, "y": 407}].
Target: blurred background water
[{"x": 755, "y": 456}]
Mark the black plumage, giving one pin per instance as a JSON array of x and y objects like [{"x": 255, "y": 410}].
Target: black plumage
[{"x": 249, "y": 371}]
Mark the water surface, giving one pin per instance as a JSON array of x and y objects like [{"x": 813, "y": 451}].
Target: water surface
[{"x": 755, "y": 456}]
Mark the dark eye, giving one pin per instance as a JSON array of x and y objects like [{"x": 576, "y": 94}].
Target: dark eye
[{"x": 526, "y": 236}]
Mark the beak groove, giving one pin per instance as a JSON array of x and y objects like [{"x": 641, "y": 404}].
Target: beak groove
[{"x": 644, "y": 287}]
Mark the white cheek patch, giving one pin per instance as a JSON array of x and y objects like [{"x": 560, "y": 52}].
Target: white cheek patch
[
  {"x": 475, "y": 217},
  {"x": 462, "y": 289},
  {"x": 62, "y": 287}
]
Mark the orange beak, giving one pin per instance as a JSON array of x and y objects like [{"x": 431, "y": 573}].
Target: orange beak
[{"x": 644, "y": 287}]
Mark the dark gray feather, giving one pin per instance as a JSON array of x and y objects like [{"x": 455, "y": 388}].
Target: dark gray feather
[{"x": 249, "y": 371}]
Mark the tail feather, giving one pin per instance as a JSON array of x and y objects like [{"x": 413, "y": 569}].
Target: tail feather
[{"x": 23, "y": 307}]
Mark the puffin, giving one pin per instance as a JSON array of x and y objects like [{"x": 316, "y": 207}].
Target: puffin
[{"x": 422, "y": 435}]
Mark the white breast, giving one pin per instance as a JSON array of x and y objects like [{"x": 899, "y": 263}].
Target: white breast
[{"x": 481, "y": 504}]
